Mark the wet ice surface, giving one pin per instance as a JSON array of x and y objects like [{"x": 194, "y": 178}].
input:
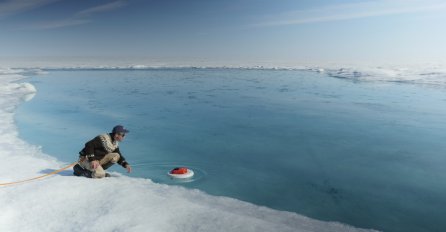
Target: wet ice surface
[{"x": 365, "y": 153}]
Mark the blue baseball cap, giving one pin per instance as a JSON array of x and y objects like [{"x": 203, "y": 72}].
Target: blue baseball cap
[{"x": 119, "y": 129}]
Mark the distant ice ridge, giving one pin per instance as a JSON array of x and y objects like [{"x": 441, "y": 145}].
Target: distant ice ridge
[
  {"x": 432, "y": 75},
  {"x": 21, "y": 71},
  {"x": 67, "y": 203},
  {"x": 426, "y": 74},
  {"x": 151, "y": 67}
]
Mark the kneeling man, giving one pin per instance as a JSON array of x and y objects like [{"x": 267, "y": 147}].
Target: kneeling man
[{"x": 101, "y": 153}]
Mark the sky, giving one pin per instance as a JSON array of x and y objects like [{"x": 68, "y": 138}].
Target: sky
[{"x": 293, "y": 31}]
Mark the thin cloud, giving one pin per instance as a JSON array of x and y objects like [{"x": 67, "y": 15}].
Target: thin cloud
[
  {"x": 353, "y": 11},
  {"x": 81, "y": 17},
  {"x": 13, "y": 7},
  {"x": 102, "y": 8},
  {"x": 60, "y": 24}
]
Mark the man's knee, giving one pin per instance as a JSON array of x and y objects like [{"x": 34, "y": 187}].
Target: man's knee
[
  {"x": 114, "y": 157},
  {"x": 110, "y": 158}
]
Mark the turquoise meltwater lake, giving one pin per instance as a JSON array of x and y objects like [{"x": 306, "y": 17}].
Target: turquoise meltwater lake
[{"x": 366, "y": 153}]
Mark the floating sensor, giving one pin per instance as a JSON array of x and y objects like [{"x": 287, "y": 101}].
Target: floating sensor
[{"x": 181, "y": 173}]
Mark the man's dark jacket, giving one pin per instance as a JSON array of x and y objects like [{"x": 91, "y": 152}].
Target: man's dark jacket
[{"x": 100, "y": 146}]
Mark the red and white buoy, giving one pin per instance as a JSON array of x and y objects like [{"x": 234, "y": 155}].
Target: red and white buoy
[{"x": 181, "y": 173}]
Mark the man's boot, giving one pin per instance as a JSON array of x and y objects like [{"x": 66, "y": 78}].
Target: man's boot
[{"x": 79, "y": 171}]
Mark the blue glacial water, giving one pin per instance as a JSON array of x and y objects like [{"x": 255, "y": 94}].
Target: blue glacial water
[{"x": 369, "y": 154}]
